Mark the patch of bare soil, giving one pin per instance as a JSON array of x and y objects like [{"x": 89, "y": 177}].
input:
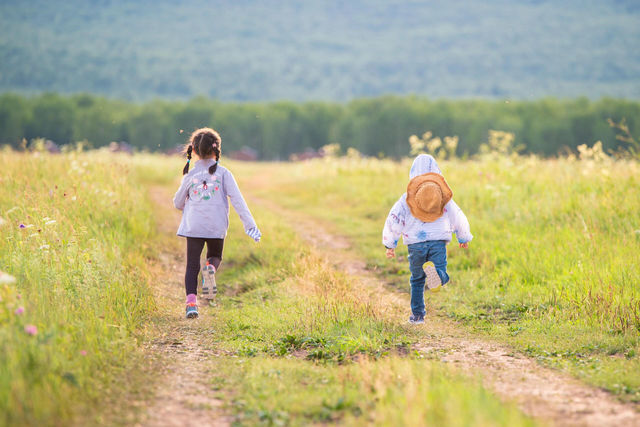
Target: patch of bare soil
[
  {"x": 540, "y": 392},
  {"x": 181, "y": 348}
]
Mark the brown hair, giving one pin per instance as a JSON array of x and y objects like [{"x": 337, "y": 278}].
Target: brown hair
[{"x": 205, "y": 142}]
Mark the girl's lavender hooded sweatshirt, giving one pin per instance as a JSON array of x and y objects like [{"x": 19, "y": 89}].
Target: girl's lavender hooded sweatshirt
[
  {"x": 202, "y": 198},
  {"x": 400, "y": 222}
]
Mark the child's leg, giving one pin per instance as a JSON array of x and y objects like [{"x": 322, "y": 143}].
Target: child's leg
[
  {"x": 194, "y": 249},
  {"x": 214, "y": 251},
  {"x": 417, "y": 258},
  {"x": 438, "y": 255}
]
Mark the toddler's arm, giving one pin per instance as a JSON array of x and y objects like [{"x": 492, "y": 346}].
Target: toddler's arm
[
  {"x": 393, "y": 227},
  {"x": 460, "y": 224},
  {"x": 180, "y": 198}
]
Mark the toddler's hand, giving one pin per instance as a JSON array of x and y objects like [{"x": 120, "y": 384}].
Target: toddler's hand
[
  {"x": 254, "y": 233},
  {"x": 391, "y": 253},
  {"x": 464, "y": 245}
]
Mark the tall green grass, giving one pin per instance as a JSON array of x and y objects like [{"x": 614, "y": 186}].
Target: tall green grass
[
  {"x": 75, "y": 232},
  {"x": 553, "y": 268}
]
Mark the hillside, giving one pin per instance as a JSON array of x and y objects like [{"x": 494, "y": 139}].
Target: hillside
[{"x": 326, "y": 50}]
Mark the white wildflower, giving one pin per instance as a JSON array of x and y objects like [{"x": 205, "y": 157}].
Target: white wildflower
[
  {"x": 50, "y": 222},
  {"x": 6, "y": 279},
  {"x": 44, "y": 247}
]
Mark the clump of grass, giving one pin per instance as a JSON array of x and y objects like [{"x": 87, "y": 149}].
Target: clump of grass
[
  {"x": 74, "y": 232},
  {"x": 389, "y": 391},
  {"x": 294, "y": 303}
]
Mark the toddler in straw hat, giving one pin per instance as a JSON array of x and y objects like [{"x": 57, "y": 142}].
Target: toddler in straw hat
[{"x": 425, "y": 216}]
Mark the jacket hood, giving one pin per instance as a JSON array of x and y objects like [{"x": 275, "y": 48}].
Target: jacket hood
[{"x": 424, "y": 163}]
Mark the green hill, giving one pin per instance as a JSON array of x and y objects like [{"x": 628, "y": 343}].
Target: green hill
[{"x": 331, "y": 50}]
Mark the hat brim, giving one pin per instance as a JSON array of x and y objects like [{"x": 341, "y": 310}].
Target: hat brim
[{"x": 412, "y": 189}]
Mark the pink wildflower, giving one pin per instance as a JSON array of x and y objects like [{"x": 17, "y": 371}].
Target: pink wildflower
[
  {"x": 31, "y": 329},
  {"x": 83, "y": 352},
  {"x": 18, "y": 311}
]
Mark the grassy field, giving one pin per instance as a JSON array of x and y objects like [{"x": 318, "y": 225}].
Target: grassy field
[
  {"x": 75, "y": 231},
  {"x": 553, "y": 269},
  {"x": 298, "y": 341}
]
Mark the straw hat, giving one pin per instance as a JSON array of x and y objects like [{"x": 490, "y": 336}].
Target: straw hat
[{"x": 426, "y": 196}]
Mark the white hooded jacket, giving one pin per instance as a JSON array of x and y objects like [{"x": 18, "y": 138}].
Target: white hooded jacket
[{"x": 401, "y": 222}]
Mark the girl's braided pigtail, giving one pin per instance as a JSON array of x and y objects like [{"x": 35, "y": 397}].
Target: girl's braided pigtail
[
  {"x": 213, "y": 167},
  {"x": 186, "y": 167}
]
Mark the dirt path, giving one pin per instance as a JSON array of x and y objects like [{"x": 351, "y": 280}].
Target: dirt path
[
  {"x": 182, "y": 349},
  {"x": 540, "y": 392}
]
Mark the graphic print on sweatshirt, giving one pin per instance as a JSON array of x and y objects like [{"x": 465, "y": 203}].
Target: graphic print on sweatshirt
[{"x": 204, "y": 188}]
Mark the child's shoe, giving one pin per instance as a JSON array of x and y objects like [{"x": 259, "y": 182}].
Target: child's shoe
[
  {"x": 433, "y": 281},
  {"x": 192, "y": 310},
  {"x": 416, "y": 319},
  {"x": 209, "y": 287}
]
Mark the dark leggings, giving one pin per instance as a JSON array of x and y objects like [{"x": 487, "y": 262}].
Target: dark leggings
[{"x": 194, "y": 249}]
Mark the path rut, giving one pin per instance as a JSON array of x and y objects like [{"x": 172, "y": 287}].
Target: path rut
[{"x": 182, "y": 347}]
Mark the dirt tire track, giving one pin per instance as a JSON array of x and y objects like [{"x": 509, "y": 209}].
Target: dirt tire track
[
  {"x": 539, "y": 392},
  {"x": 182, "y": 347}
]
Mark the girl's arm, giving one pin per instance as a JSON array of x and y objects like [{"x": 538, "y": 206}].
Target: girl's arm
[
  {"x": 459, "y": 222},
  {"x": 394, "y": 225},
  {"x": 180, "y": 198},
  {"x": 232, "y": 190}
]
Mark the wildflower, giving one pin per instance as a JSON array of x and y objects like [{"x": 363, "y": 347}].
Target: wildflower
[
  {"x": 22, "y": 226},
  {"x": 44, "y": 247},
  {"x": 6, "y": 279},
  {"x": 31, "y": 329},
  {"x": 18, "y": 311},
  {"x": 53, "y": 221},
  {"x": 83, "y": 352}
]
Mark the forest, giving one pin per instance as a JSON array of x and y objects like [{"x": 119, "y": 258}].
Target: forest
[
  {"x": 374, "y": 126},
  {"x": 321, "y": 50}
]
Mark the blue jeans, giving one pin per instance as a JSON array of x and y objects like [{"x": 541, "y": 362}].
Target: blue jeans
[{"x": 419, "y": 253}]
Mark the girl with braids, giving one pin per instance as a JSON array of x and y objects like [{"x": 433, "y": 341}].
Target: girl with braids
[{"x": 202, "y": 198}]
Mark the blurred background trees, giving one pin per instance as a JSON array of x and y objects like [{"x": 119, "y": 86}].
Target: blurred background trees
[{"x": 376, "y": 126}]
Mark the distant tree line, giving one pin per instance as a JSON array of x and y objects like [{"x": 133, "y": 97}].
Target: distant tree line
[{"x": 374, "y": 126}]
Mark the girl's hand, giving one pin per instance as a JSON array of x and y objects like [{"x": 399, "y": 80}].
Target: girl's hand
[
  {"x": 254, "y": 233},
  {"x": 464, "y": 245},
  {"x": 391, "y": 253}
]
